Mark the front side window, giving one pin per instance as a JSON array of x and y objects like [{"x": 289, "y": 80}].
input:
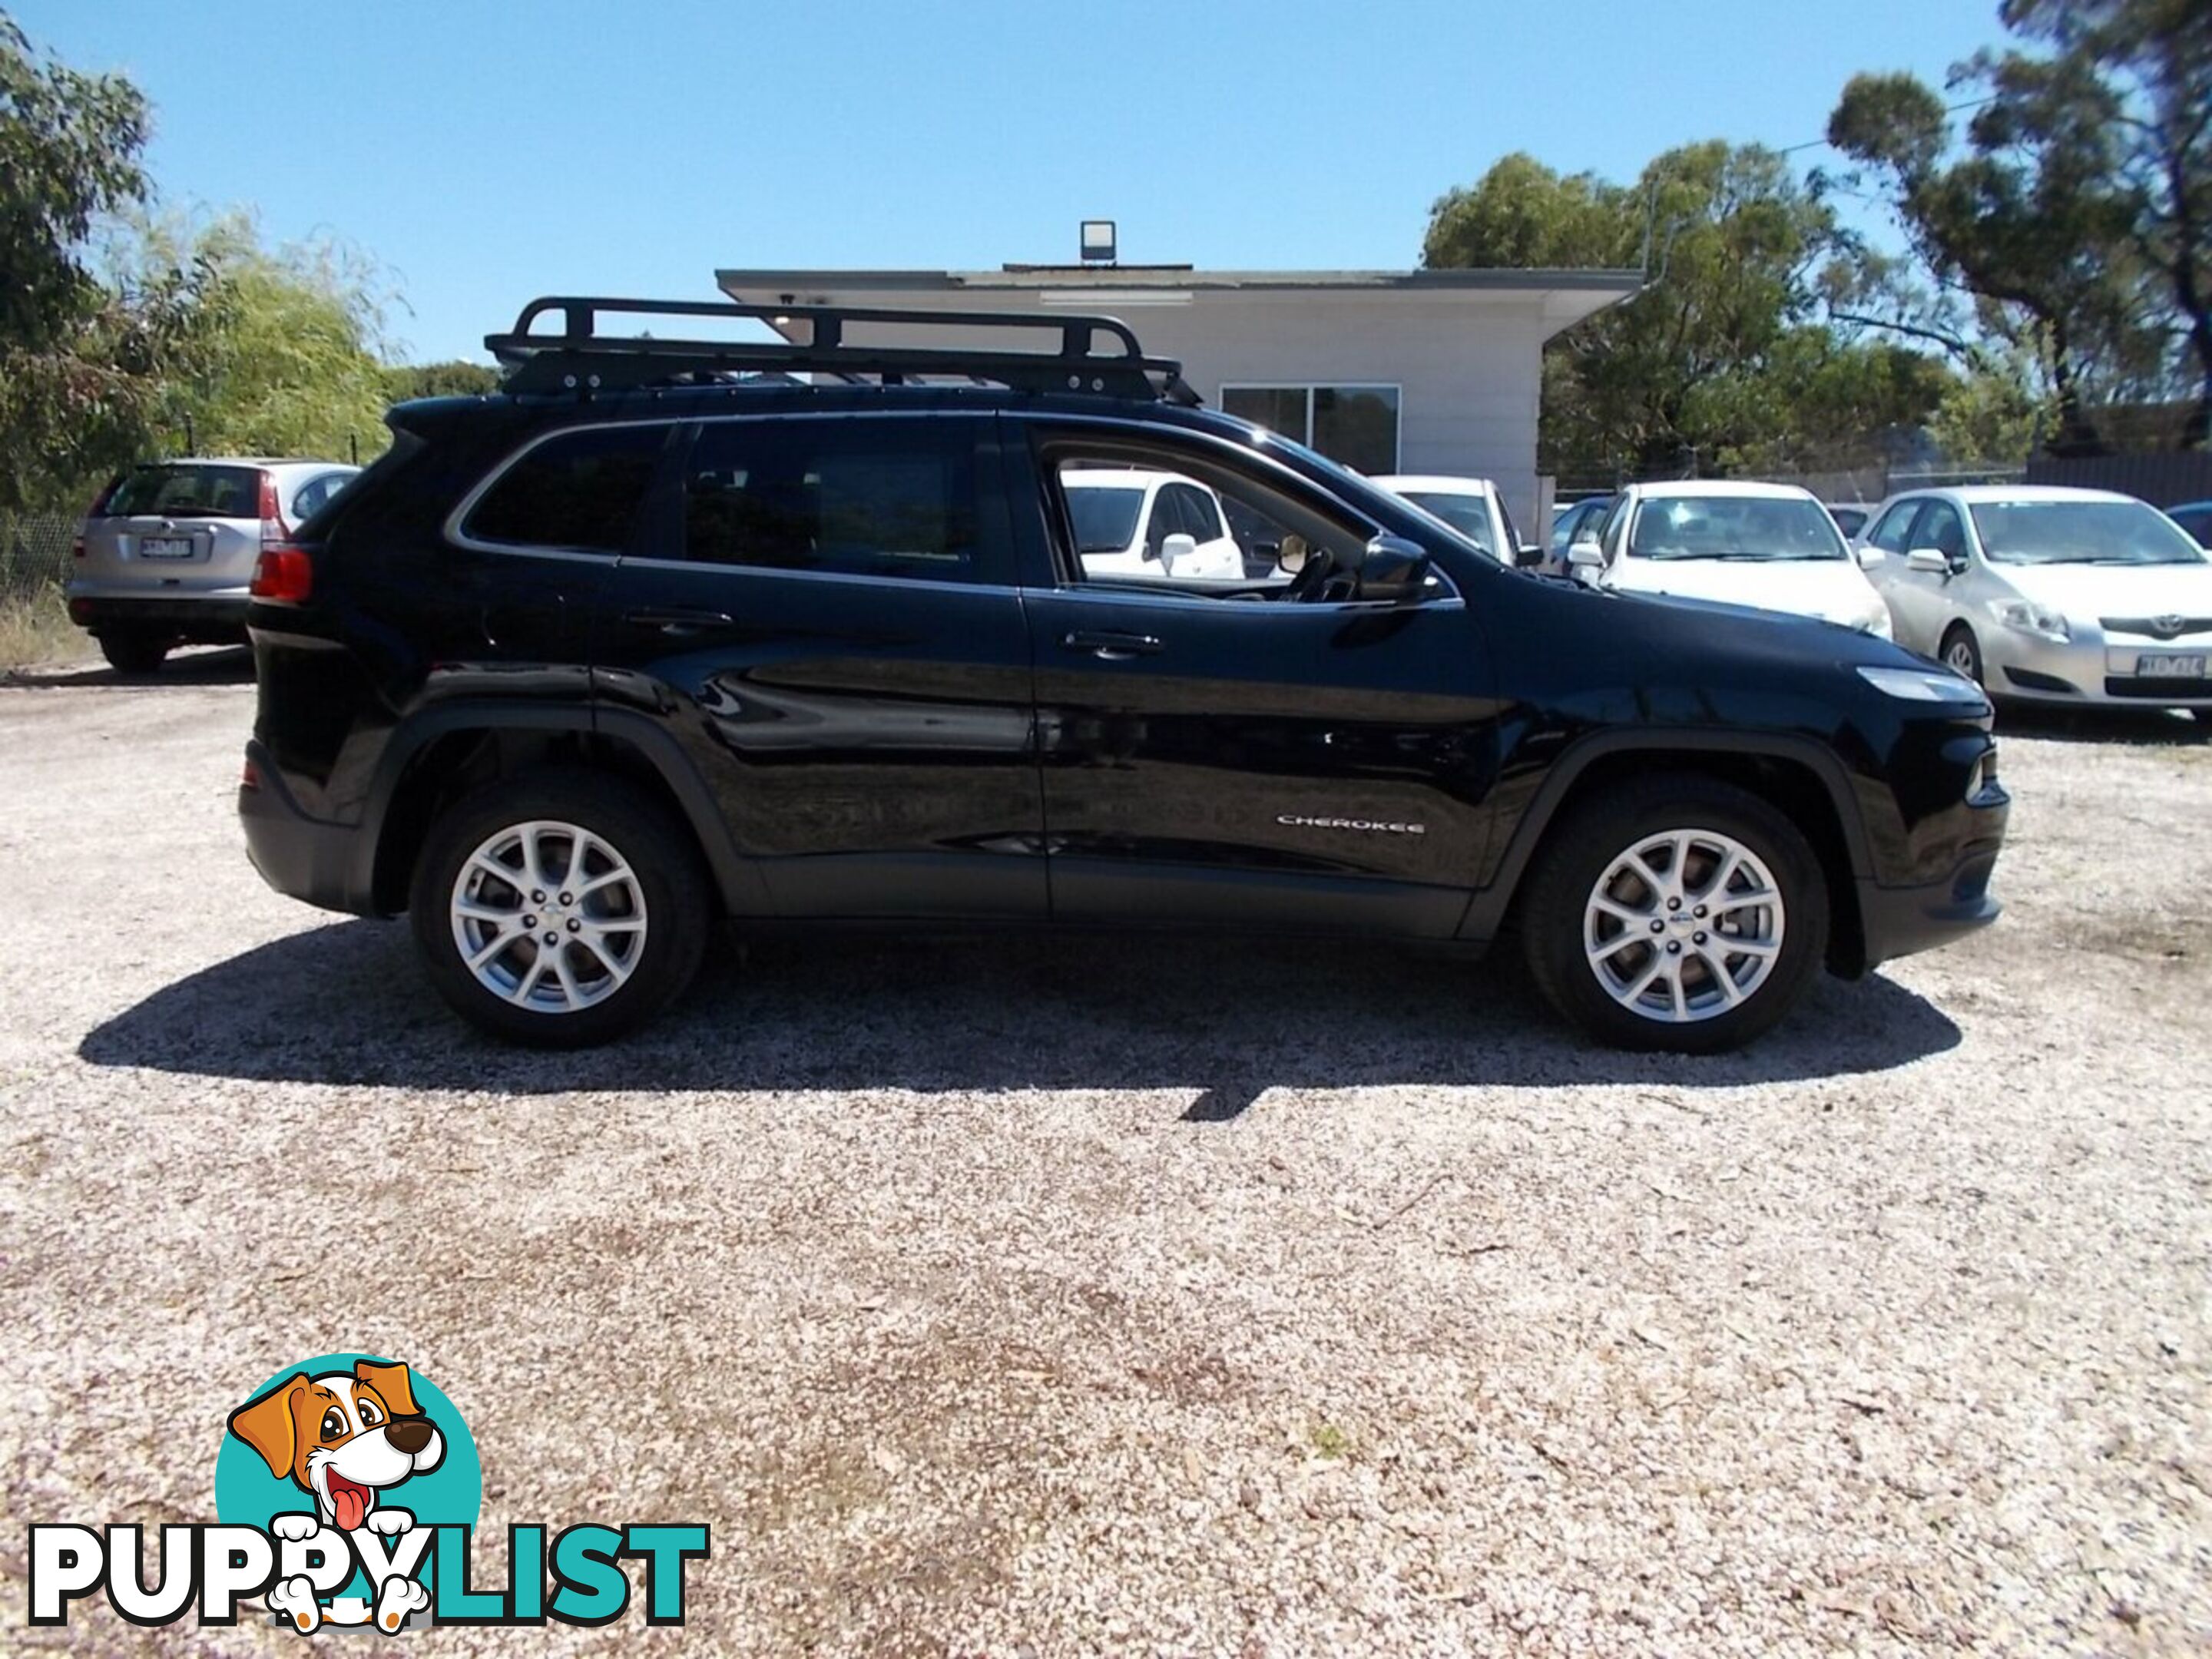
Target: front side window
[
  {"x": 1243, "y": 534},
  {"x": 1940, "y": 528},
  {"x": 1749, "y": 528},
  {"x": 1356, "y": 426},
  {"x": 580, "y": 490},
  {"x": 857, "y": 497},
  {"x": 2080, "y": 532}
]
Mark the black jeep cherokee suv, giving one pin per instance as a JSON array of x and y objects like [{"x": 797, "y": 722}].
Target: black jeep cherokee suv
[{"x": 674, "y": 631}]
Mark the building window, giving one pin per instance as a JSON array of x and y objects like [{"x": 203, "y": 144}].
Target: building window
[{"x": 1357, "y": 425}]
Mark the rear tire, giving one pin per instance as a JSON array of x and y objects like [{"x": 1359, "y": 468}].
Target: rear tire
[
  {"x": 1962, "y": 653},
  {"x": 1682, "y": 913},
  {"x": 559, "y": 910},
  {"x": 131, "y": 650}
]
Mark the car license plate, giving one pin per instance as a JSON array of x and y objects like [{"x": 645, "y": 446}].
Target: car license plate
[
  {"x": 2170, "y": 664},
  {"x": 165, "y": 547}
]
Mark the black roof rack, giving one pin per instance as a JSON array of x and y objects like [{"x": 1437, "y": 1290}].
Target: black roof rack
[{"x": 580, "y": 359}]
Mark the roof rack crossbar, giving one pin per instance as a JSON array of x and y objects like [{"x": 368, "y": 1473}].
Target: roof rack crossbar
[{"x": 1092, "y": 354}]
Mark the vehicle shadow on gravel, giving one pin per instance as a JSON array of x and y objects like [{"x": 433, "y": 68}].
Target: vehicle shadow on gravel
[
  {"x": 228, "y": 665},
  {"x": 1226, "y": 1017}
]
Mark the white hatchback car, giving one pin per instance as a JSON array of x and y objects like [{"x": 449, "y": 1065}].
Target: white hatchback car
[
  {"x": 1471, "y": 505},
  {"x": 1773, "y": 547},
  {"x": 1150, "y": 526},
  {"x": 2048, "y": 595}
]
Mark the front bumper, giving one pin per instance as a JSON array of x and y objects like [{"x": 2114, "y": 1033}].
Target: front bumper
[
  {"x": 326, "y": 865},
  {"x": 1898, "y": 921},
  {"x": 2098, "y": 671},
  {"x": 217, "y": 619}
]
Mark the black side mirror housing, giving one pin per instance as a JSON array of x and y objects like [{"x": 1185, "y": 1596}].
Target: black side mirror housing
[
  {"x": 1392, "y": 568},
  {"x": 1527, "y": 556}
]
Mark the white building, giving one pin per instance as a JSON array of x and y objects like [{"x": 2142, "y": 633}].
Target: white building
[{"x": 1388, "y": 371}]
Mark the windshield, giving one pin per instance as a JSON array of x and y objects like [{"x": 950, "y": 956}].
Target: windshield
[
  {"x": 2079, "y": 532},
  {"x": 1468, "y": 514},
  {"x": 1105, "y": 519},
  {"x": 1750, "y": 527}
]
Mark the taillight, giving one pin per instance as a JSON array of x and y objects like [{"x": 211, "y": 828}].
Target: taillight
[
  {"x": 98, "y": 504},
  {"x": 249, "y": 778},
  {"x": 273, "y": 531},
  {"x": 283, "y": 575}
]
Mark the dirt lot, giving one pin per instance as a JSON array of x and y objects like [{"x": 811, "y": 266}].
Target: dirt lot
[{"x": 1208, "y": 1299}]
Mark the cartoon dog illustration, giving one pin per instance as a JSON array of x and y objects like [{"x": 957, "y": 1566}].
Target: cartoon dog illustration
[{"x": 344, "y": 1439}]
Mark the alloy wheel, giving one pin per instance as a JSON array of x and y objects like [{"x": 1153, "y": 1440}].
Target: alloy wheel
[
  {"x": 1683, "y": 926},
  {"x": 549, "y": 916}
]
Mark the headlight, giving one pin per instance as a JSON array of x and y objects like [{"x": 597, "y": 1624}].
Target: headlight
[
  {"x": 1922, "y": 684},
  {"x": 2038, "y": 620}
]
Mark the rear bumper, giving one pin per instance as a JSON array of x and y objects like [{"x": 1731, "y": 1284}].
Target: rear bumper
[
  {"x": 216, "y": 618},
  {"x": 302, "y": 858}
]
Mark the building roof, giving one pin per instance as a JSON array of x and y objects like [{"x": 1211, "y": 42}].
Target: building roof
[{"x": 1567, "y": 296}]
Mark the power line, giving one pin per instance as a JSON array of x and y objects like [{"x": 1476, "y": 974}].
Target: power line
[{"x": 1948, "y": 109}]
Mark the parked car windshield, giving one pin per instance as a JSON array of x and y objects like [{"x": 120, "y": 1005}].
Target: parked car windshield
[
  {"x": 1105, "y": 518},
  {"x": 1468, "y": 514},
  {"x": 1750, "y": 527},
  {"x": 2079, "y": 532},
  {"x": 218, "y": 492}
]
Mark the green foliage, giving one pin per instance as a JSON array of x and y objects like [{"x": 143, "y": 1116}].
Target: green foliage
[
  {"x": 2074, "y": 209},
  {"x": 279, "y": 357},
  {"x": 457, "y": 378},
  {"x": 1726, "y": 359},
  {"x": 80, "y": 360},
  {"x": 1996, "y": 411}
]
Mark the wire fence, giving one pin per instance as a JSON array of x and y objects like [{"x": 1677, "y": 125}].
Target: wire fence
[{"x": 34, "y": 554}]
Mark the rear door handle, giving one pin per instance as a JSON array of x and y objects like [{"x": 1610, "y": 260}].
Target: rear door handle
[
  {"x": 1111, "y": 647},
  {"x": 679, "y": 619}
]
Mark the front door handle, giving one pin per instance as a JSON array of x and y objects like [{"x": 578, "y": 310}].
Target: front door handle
[
  {"x": 1111, "y": 647},
  {"x": 678, "y": 619}
]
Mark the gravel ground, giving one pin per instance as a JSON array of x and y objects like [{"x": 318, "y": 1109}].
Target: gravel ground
[{"x": 1067, "y": 1297}]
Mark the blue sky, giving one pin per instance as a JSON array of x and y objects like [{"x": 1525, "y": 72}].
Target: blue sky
[{"x": 483, "y": 154}]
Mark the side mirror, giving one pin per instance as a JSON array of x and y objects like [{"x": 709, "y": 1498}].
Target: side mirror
[
  {"x": 1392, "y": 568},
  {"x": 1527, "y": 556},
  {"x": 1291, "y": 555},
  {"x": 1586, "y": 556},
  {"x": 1177, "y": 546},
  {"x": 1870, "y": 558},
  {"x": 1932, "y": 563}
]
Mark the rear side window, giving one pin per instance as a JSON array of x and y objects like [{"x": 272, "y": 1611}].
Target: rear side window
[
  {"x": 855, "y": 497},
  {"x": 1889, "y": 535},
  {"x": 316, "y": 491},
  {"x": 582, "y": 489},
  {"x": 213, "y": 492}
]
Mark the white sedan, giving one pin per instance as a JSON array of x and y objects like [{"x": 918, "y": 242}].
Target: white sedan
[
  {"x": 1472, "y": 507},
  {"x": 1149, "y": 525},
  {"x": 1769, "y": 546}
]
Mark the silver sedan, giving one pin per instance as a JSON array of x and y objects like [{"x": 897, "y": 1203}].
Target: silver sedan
[{"x": 2048, "y": 595}]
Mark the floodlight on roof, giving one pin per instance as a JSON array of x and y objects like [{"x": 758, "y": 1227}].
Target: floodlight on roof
[{"x": 1098, "y": 241}]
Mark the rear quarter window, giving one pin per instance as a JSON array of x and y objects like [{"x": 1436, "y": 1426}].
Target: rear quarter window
[{"x": 579, "y": 490}]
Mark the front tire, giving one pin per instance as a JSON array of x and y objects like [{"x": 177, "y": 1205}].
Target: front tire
[
  {"x": 1962, "y": 653},
  {"x": 1682, "y": 913},
  {"x": 559, "y": 910}
]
